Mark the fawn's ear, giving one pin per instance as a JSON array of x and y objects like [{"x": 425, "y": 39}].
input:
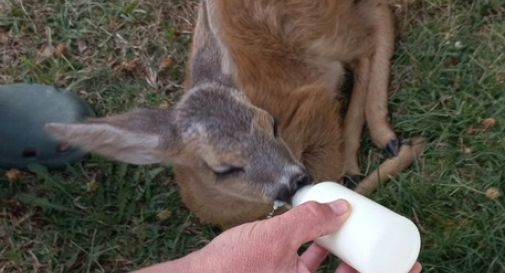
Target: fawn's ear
[{"x": 139, "y": 137}]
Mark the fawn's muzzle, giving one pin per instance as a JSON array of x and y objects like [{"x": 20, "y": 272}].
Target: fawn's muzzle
[{"x": 286, "y": 192}]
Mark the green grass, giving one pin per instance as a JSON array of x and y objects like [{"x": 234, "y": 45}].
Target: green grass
[{"x": 100, "y": 216}]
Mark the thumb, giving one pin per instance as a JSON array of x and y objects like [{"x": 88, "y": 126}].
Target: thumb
[{"x": 311, "y": 220}]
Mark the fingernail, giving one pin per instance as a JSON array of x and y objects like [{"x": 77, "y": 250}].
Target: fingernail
[{"x": 339, "y": 207}]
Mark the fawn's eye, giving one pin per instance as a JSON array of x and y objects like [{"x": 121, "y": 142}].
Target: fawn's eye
[{"x": 226, "y": 170}]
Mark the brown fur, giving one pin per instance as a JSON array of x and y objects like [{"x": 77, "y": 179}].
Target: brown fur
[
  {"x": 251, "y": 63},
  {"x": 281, "y": 51},
  {"x": 285, "y": 47}
]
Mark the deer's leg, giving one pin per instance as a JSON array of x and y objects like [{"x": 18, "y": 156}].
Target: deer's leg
[
  {"x": 376, "y": 109},
  {"x": 406, "y": 155},
  {"x": 355, "y": 117}
]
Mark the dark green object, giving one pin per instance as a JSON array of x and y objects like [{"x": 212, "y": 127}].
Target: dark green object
[{"x": 24, "y": 110}]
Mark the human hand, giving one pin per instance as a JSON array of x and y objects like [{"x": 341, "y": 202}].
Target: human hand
[{"x": 270, "y": 245}]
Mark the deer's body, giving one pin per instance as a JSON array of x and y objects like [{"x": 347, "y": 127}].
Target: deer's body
[
  {"x": 288, "y": 58},
  {"x": 251, "y": 63}
]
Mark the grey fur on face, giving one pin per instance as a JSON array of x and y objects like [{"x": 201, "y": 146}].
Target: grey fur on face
[{"x": 220, "y": 120}]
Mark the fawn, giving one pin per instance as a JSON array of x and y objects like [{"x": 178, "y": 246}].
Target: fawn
[{"x": 263, "y": 112}]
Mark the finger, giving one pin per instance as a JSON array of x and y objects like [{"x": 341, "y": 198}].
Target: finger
[
  {"x": 309, "y": 221},
  {"x": 417, "y": 268},
  {"x": 313, "y": 257},
  {"x": 345, "y": 268}
]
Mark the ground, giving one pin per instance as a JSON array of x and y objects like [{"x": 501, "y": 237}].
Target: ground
[{"x": 447, "y": 84}]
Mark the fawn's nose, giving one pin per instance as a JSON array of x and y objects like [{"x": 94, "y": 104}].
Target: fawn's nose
[
  {"x": 297, "y": 181},
  {"x": 301, "y": 180}
]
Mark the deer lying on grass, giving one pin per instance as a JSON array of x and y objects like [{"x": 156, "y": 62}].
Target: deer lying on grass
[{"x": 263, "y": 114}]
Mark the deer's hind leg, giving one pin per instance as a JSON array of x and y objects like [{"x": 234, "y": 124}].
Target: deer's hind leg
[
  {"x": 355, "y": 118},
  {"x": 376, "y": 107},
  {"x": 369, "y": 103}
]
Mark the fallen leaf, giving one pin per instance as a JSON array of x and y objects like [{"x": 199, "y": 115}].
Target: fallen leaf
[
  {"x": 82, "y": 48},
  {"x": 92, "y": 186},
  {"x": 60, "y": 81},
  {"x": 134, "y": 68},
  {"x": 485, "y": 124},
  {"x": 164, "y": 105},
  {"x": 488, "y": 123},
  {"x": 151, "y": 77},
  {"x": 128, "y": 65},
  {"x": 467, "y": 150},
  {"x": 60, "y": 50},
  {"x": 451, "y": 62},
  {"x": 13, "y": 175},
  {"x": 474, "y": 131},
  {"x": 501, "y": 78},
  {"x": 166, "y": 62},
  {"x": 493, "y": 193},
  {"x": 45, "y": 53},
  {"x": 114, "y": 25},
  {"x": 164, "y": 214},
  {"x": 4, "y": 38}
]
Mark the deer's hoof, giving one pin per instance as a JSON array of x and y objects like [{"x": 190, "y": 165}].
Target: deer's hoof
[
  {"x": 351, "y": 181},
  {"x": 392, "y": 147}
]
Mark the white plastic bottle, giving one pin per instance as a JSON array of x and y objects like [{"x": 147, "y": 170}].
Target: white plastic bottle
[{"x": 374, "y": 239}]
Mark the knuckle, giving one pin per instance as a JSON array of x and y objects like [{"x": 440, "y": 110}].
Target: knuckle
[{"x": 313, "y": 209}]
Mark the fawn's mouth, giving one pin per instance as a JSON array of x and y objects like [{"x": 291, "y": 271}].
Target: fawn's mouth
[{"x": 280, "y": 204}]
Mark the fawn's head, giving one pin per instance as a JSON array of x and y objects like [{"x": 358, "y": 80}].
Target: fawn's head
[{"x": 214, "y": 130}]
